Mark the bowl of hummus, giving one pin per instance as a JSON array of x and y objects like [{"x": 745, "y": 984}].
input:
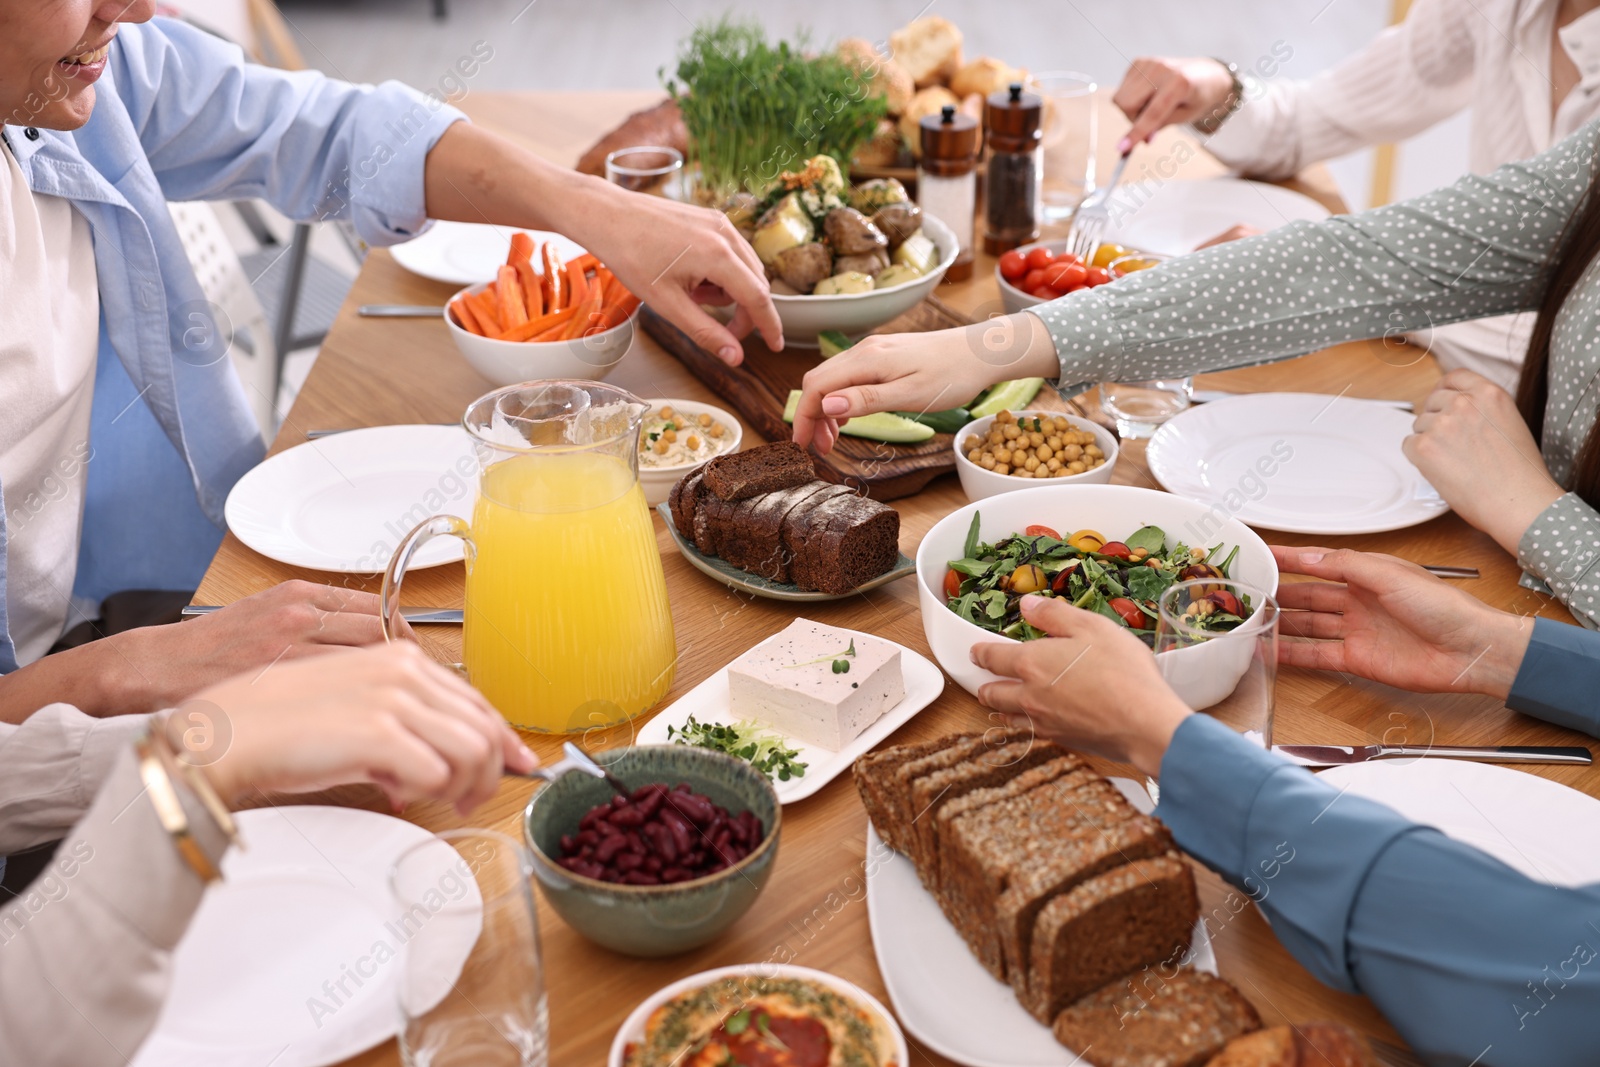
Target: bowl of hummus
[{"x": 678, "y": 436}]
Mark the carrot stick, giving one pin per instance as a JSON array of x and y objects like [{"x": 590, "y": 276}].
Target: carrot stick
[
  {"x": 577, "y": 284},
  {"x": 508, "y": 297},
  {"x": 533, "y": 327},
  {"x": 585, "y": 263},
  {"x": 585, "y": 317},
  {"x": 532, "y": 287},
  {"x": 617, "y": 312},
  {"x": 464, "y": 316},
  {"x": 483, "y": 306},
  {"x": 555, "y": 296},
  {"x": 556, "y": 332},
  {"x": 521, "y": 249}
]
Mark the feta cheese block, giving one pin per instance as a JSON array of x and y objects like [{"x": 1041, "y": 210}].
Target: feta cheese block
[{"x": 790, "y": 683}]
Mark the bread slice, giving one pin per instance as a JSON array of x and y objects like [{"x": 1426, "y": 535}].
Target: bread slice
[
  {"x": 761, "y": 547},
  {"x": 803, "y": 535},
  {"x": 874, "y": 775},
  {"x": 1330, "y": 1044},
  {"x": 1070, "y": 779},
  {"x": 1274, "y": 1047},
  {"x": 928, "y": 48},
  {"x": 793, "y": 527},
  {"x": 860, "y": 542},
  {"x": 997, "y": 774},
  {"x": 1149, "y": 1020},
  {"x": 1136, "y": 915},
  {"x": 684, "y": 499},
  {"x": 764, "y": 469},
  {"x": 900, "y": 815}
]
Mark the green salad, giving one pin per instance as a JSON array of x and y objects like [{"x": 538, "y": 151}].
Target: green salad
[{"x": 1122, "y": 580}]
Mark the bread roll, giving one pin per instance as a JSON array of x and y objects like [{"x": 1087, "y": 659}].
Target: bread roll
[
  {"x": 888, "y": 78},
  {"x": 985, "y": 75},
  {"x": 928, "y": 48},
  {"x": 929, "y": 101},
  {"x": 883, "y": 150}
]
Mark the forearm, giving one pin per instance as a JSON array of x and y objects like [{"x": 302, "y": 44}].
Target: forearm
[
  {"x": 51, "y": 767},
  {"x": 1562, "y": 547},
  {"x": 1559, "y": 678},
  {"x": 98, "y": 679},
  {"x": 1443, "y": 938}
]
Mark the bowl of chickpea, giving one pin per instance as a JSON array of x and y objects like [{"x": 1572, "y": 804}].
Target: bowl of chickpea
[
  {"x": 677, "y": 436},
  {"x": 1000, "y": 453}
]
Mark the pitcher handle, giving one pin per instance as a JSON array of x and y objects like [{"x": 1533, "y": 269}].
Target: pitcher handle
[{"x": 425, "y": 531}]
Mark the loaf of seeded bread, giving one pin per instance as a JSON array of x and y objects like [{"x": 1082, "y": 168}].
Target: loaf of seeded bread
[
  {"x": 1321, "y": 1044},
  {"x": 766, "y": 469},
  {"x": 1138, "y": 915},
  {"x": 1153, "y": 1020},
  {"x": 874, "y": 775}
]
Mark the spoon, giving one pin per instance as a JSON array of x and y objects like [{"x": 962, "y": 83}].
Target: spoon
[{"x": 577, "y": 760}]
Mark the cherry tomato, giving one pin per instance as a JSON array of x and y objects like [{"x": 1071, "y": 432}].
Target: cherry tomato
[
  {"x": 1129, "y": 611},
  {"x": 1116, "y": 550},
  {"x": 1028, "y": 578},
  {"x": 1031, "y": 281},
  {"x": 1086, "y": 540},
  {"x": 1096, "y": 276},
  {"x": 1063, "y": 277},
  {"x": 952, "y": 584},
  {"x": 1044, "y": 292},
  {"x": 1067, "y": 257},
  {"x": 1040, "y": 258},
  {"x": 1226, "y": 601},
  {"x": 1041, "y": 531},
  {"x": 1059, "y": 582},
  {"x": 1013, "y": 265}
]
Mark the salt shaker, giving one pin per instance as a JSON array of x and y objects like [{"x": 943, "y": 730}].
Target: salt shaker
[
  {"x": 947, "y": 180},
  {"x": 1015, "y": 187}
]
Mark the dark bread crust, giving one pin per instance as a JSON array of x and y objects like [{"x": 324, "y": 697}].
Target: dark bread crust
[
  {"x": 735, "y": 476},
  {"x": 1150, "y": 1019},
  {"x": 874, "y": 776}
]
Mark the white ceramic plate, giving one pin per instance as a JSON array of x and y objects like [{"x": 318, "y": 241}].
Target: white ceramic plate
[
  {"x": 343, "y": 503},
  {"x": 1298, "y": 462},
  {"x": 305, "y": 903},
  {"x": 632, "y": 1028},
  {"x": 1173, "y": 217},
  {"x": 466, "y": 253},
  {"x": 943, "y": 995},
  {"x": 1542, "y": 828},
  {"x": 708, "y": 702}
]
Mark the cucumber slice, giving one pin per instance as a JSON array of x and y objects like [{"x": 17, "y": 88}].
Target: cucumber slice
[
  {"x": 832, "y": 342},
  {"x": 1008, "y": 396},
  {"x": 942, "y": 421},
  {"x": 881, "y": 426}
]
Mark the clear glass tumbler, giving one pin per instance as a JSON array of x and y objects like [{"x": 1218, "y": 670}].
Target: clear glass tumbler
[
  {"x": 1070, "y": 129},
  {"x": 472, "y": 991},
  {"x": 1141, "y": 407},
  {"x": 643, "y": 167}
]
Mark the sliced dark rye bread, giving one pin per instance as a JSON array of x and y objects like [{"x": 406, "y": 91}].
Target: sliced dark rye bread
[
  {"x": 1008, "y": 764},
  {"x": 874, "y": 776},
  {"x": 684, "y": 499},
  {"x": 1134, "y": 916},
  {"x": 763, "y": 469},
  {"x": 1150, "y": 1020},
  {"x": 712, "y": 523},
  {"x": 766, "y": 554},
  {"x": 1088, "y": 854},
  {"x": 859, "y": 541},
  {"x": 1062, "y": 773},
  {"x": 900, "y": 816}
]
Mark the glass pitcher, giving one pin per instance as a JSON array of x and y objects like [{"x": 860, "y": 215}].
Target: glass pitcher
[{"x": 566, "y": 625}]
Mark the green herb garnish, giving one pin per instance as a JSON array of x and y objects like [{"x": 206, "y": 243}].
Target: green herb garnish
[
  {"x": 834, "y": 656},
  {"x": 765, "y": 750},
  {"x": 737, "y": 1023}
]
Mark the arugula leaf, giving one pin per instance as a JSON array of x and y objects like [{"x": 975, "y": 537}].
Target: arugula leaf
[
  {"x": 1148, "y": 583},
  {"x": 1150, "y": 538},
  {"x": 971, "y": 549},
  {"x": 976, "y": 568},
  {"x": 994, "y": 603},
  {"x": 1227, "y": 565}
]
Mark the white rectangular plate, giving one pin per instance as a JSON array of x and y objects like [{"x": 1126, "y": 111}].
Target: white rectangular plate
[
  {"x": 942, "y": 994},
  {"x": 708, "y": 702}
]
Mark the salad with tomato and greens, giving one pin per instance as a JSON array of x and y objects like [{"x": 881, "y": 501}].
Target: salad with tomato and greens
[{"x": 1122, "y": 580}]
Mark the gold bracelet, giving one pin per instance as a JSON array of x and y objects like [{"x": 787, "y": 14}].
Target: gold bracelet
[
  {"x": 197, "y": 782},
  {"x": 169, "y": 810}
]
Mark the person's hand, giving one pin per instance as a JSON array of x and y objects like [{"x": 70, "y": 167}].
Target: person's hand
[
  {"x": 1392, "y": 622},
  {"x": 1470, "y": 442},
  {"x": 158, "y": 666},
  {"x": 386, "y": 715},
  {"x": 919, "y": 372},
  {"x": 1158, "y": 91},
  {"x": 1090, "y": 685},
  {"x": 1233, "y": 233},
  {"x": 676, "y": 257}
]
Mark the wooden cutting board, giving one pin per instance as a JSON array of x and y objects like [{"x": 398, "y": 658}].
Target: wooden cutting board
[{"x": 758, "y": 389}]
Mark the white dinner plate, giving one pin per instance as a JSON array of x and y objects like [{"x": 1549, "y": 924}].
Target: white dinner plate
[
  {"x": 267, "y": 973},
  {"x": 632, "y": 1029},
  {"x": 1298, "y": 462},
  {"x": 1173, "y": 217},
  {"x": 1549, "y": 832},
  {"x": 343, "y": 503},
  {"x": 466, "y": 253},
  {"x": 708, "y": 702},
  {"x": 943, "y": 995}
]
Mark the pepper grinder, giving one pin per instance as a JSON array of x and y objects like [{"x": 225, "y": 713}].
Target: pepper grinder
[
  {"x": 947, "y": 180},
  {"x": 1015, "y": 189}
]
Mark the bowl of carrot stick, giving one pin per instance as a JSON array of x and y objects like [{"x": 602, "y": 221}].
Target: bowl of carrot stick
[{"x": 543, "y": 318}]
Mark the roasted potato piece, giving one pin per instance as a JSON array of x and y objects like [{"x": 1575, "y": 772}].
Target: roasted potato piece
[
  {"x": 869, "y": 196},
  {"x": 803, "y": 266},
  {"x": 854, "y": 282},
  {"x": 897, "y": 274},
  {"x": 866, "y": 263},
  {"x": 780, "y": 287},
  {"x": 785, "y": 225},
  {"x": 919, "y": 252},
  {"x": 898, "y": 221},
  {"x": 851, "y": 233},
  {"x": 741, "y": 211}
]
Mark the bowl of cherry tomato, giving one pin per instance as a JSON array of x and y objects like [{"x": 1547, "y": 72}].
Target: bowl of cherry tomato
[{"x": 1044, "y": 271}]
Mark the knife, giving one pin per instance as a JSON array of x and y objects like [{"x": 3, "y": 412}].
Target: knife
[
  {"x": 398, "y": 311},
  {"x": 315, "y": 435},
  {"x": 443, "y": 616},
  {"x": 1338, "y": 755},
  {"x": 1206, "y": 396}
]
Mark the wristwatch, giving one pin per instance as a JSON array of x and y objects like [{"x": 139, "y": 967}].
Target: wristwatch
[
  {"x": 1212, "y": 122},
  {"x": 159, "y": 771}
]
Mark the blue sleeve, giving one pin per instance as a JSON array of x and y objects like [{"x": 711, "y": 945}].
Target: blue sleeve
[
  {"x": 1559, "y": 679},
  {"x": 216, "y": 126},
  {"x": 1471, "y": 961}
]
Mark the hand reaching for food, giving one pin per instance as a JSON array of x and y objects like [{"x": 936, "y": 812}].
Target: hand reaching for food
[
  {"x": 1472, "y": 445},
  {"x": 1160, "y": 91}
]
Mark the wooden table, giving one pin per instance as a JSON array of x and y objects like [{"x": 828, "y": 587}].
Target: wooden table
[{"x": 374, "y": 372}]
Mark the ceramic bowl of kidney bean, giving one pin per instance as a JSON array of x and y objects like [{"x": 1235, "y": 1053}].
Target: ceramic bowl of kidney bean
[{"x": 666, "y": 868}]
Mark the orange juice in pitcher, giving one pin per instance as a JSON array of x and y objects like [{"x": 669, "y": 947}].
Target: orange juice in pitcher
[{"x": 566, "y": 625}]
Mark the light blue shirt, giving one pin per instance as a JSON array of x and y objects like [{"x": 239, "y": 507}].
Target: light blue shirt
[
  {"x": 181, "y": 115},
  {"x": 1473, "y": 962}
]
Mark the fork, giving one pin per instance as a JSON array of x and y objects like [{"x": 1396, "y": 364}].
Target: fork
[{"x": 1089, "y": 221}]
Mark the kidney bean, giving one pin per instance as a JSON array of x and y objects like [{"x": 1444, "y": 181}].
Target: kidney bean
[
  {"x": 607, "y": 850},
  {"x": 588, "y": 821},
  {"x": 681, "y": 787},
  {"x": 660, "y": 841},
  {"x": 635, "y": 843},
  {"x": 719, "y": 843},
  {"x": 675, "y": 874},
  {"x": 628, "y": 817},
  {"x": 589, "y": 869},
  {"x": 628, "y": 861},
  {"x": 619, "y": 802},
  {"x": 695, "y": 859},
  {"x": 640, "y": 878},
  {"x": 589, "y": 837},
  {"x": 569, "y": 843},
  {"x": 679, "y": 828},
  {"x": 651, "y": 804},
  {"x": 653, "y": 864}
]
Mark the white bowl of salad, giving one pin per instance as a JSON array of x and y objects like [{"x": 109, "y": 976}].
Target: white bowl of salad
[
  {"x": 676, "y": 437},
  {"x": 1075, "y": 536}
]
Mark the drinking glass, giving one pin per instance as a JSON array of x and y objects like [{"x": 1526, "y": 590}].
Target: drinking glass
[
  {"x": 1141, "y": 407},
  {"x": 472, "y": 986},
  {"x": 642, "y": 167},
  {"x": 1069, "y": 140}
]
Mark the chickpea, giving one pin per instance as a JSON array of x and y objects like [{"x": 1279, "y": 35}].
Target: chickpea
[
  {"x": 666, "y": 412},
  {"x": 974, "y": 443},
  {"x": 1002, "y": 468},
  {"x": 661, "y": 446},
  {"x": 975, "y": 454},
  {"x": 1140, "y": 553},
  {"x": 1022, "y": 474},
  {"x": 1094, "y": 451},
  {"x": 704, "y": 420},
  {"x": 1054, "y": 440},
  {"x": 669, "y": 435},
  {"x": 1012, "y": 433},
  {"x": 1062, "y": 424},
  {"x": 1076, "y": 467},
  {"x": 1002, "y": 455},
  {"x": 693, "y": 441},
  {"x": 1072, "y": 453},
  {"x": 1005, "y": 418},
  {"x": 1036, "y": 439},
  {"x": 987, "y": 461},
  {"x": 717, "y": 430},
  {"x": 1156, "y": 563},
  {"x": 1052, "y": 464},
  {"x": 1197, "y": 553},
  {"x": 1044, "y": 452},
  {"x": 1031, "y": 464},
  {"x": 996, "y": 437}
]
